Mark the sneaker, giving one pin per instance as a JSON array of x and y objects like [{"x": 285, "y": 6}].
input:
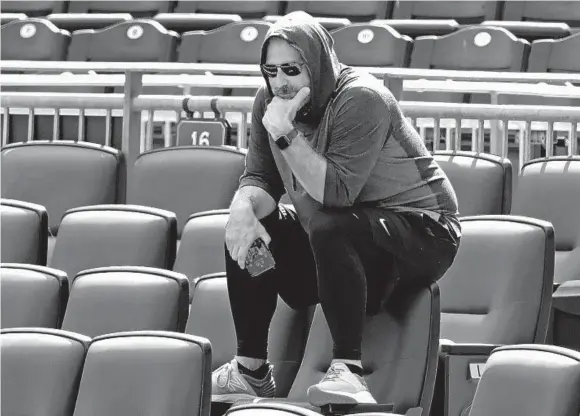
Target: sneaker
[
  {"x": 340, "y": 386},
  {"x": 229, "y": 385}
]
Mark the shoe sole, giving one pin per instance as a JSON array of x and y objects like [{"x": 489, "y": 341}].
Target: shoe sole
[
  {"x": 231, "y": 398},
  {"x": 320, "y": 398}
]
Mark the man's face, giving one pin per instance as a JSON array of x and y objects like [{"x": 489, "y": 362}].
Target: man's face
[{"x": 283, "y": 85}]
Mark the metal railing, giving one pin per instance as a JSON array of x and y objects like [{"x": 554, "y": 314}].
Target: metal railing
[
  {"x": 135, "y": 76},
  {"x": 245, "y": 69},
  {"x": 136, "y": 107},
  {"x": 140, "y": 111}
]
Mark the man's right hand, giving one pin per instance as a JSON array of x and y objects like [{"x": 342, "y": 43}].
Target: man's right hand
[{"x": 242, "y": 229}]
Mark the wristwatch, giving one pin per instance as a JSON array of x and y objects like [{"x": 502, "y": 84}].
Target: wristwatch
[{"x": 284, "y": 141}]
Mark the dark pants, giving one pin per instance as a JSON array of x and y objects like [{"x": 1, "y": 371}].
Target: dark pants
[{"x": 348, "y": 260}]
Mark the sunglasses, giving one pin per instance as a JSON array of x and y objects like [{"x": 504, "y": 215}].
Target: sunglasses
[{"x": 290, "y": 69}]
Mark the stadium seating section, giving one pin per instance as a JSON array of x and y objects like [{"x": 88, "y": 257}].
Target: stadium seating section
[
  {"x": 114, "y": 298},
  {"x": 485, "y": 34}
]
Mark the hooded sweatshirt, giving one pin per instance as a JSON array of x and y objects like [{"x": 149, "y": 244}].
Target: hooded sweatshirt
[{"x": 374, "y": 156}]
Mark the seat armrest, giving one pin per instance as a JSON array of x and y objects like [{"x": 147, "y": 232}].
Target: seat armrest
[
  {"x": 462, "y": 366},
  {"x": 468, "y": 349},
  {"x": 565, "y": 328},
  {"x": 566, "y": 297}
]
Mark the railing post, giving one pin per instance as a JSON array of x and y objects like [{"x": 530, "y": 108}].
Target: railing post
[
  {"x": 496, "y": 131},
  {"x": 573, "y": 138},
  {"x": 395, "y": 85},
  {"x": 131, "y": 146}
]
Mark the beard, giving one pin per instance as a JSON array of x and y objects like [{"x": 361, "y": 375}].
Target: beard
[{"x": 286, "y": 93}]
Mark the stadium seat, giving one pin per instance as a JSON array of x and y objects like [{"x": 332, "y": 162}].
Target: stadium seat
[
  {"x": 415, "y": 28},
  {"x": 41, "y": 369},
  {"x": 466, "y": 12},
  {"x": 131, "y": 41},
  {"x": 32, "y": 296},
  {"x": 185, "y": 22},
  {"x": 552, "y": 55},
  {"x": 86, "y": 174},
  {"x": 237, "y": 43},
  {"x": 529, "y": 380},
  {"x": 246, "y": 9},
  {"x": 533, "y": 30},
  {"x": 556, "y": 55},
  {"x": 117, "y": 299},
  {"x": 186, "y": 180},
  {"x": 201, "y": 248},
  {"x": 114, "y": 235},
  {"x": 210, "y": 317},
  {"x": 34, "y": 8},
  {"x": 479, "y": 48},
  {"x": 365, "y": 44},
  {"x": 399, "y": 343},
  {"x": 138, "y": 9},
  {"x": 146, "y": 373},
  {"x": 83, "y": 21},
  {"x": 359, "y": 11},
  {"x": 549, "y": 189},
  {"x": 482, "y": 182},
  {"x": 24, "y": 232},
  {"x": 552, "y": 11},
  {"x": 33, "y": 40},
  {"x": 472, "y": 48},
  {"x": 497, "y": 292}
]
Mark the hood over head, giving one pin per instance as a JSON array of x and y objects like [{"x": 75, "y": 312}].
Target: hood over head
[{"x": 316, "y": 47}]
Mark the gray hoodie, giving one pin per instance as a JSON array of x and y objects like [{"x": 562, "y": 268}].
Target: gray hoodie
[{"x": 375, "y": 157}]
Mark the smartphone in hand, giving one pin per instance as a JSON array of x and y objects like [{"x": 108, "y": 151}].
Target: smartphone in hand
[{"x": 259, "y": 259}]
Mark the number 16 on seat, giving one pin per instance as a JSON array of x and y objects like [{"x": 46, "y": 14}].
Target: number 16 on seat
[{"x": 203, "y": 132}]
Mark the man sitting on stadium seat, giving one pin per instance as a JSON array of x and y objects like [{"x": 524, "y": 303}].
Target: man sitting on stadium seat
[{"x": 372, "y": 210}]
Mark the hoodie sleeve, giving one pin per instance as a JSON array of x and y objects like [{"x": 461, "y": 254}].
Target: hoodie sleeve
[
  {"x": 261, "y": 169},
  {"x": 359, "y": 131}
]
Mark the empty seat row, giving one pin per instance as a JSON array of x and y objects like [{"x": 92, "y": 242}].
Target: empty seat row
[
  {"x": 96, "y": 301},
  {"x": 519, "y": 380},
  {"x": 114, "y": 235},
  {"x": 61, "y": 373},
  {"x": 465, "y": 12},
  {"x": 497, "y": 292},
  {"x": 185, "y": 22},
  {"x": 126, "y": 373},
  {"x": 106, "y": 300},
  {"x": 184, "y": 181},
  {"x": 364, "y": 44}
]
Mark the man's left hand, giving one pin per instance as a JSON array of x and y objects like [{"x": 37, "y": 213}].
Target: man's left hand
[{"x": 281, "y": 113}]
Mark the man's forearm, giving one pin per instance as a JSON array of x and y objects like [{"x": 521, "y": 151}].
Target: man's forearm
[
  {"x": 254, "y": 198},
  {"x": 308, "y": 166}
]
